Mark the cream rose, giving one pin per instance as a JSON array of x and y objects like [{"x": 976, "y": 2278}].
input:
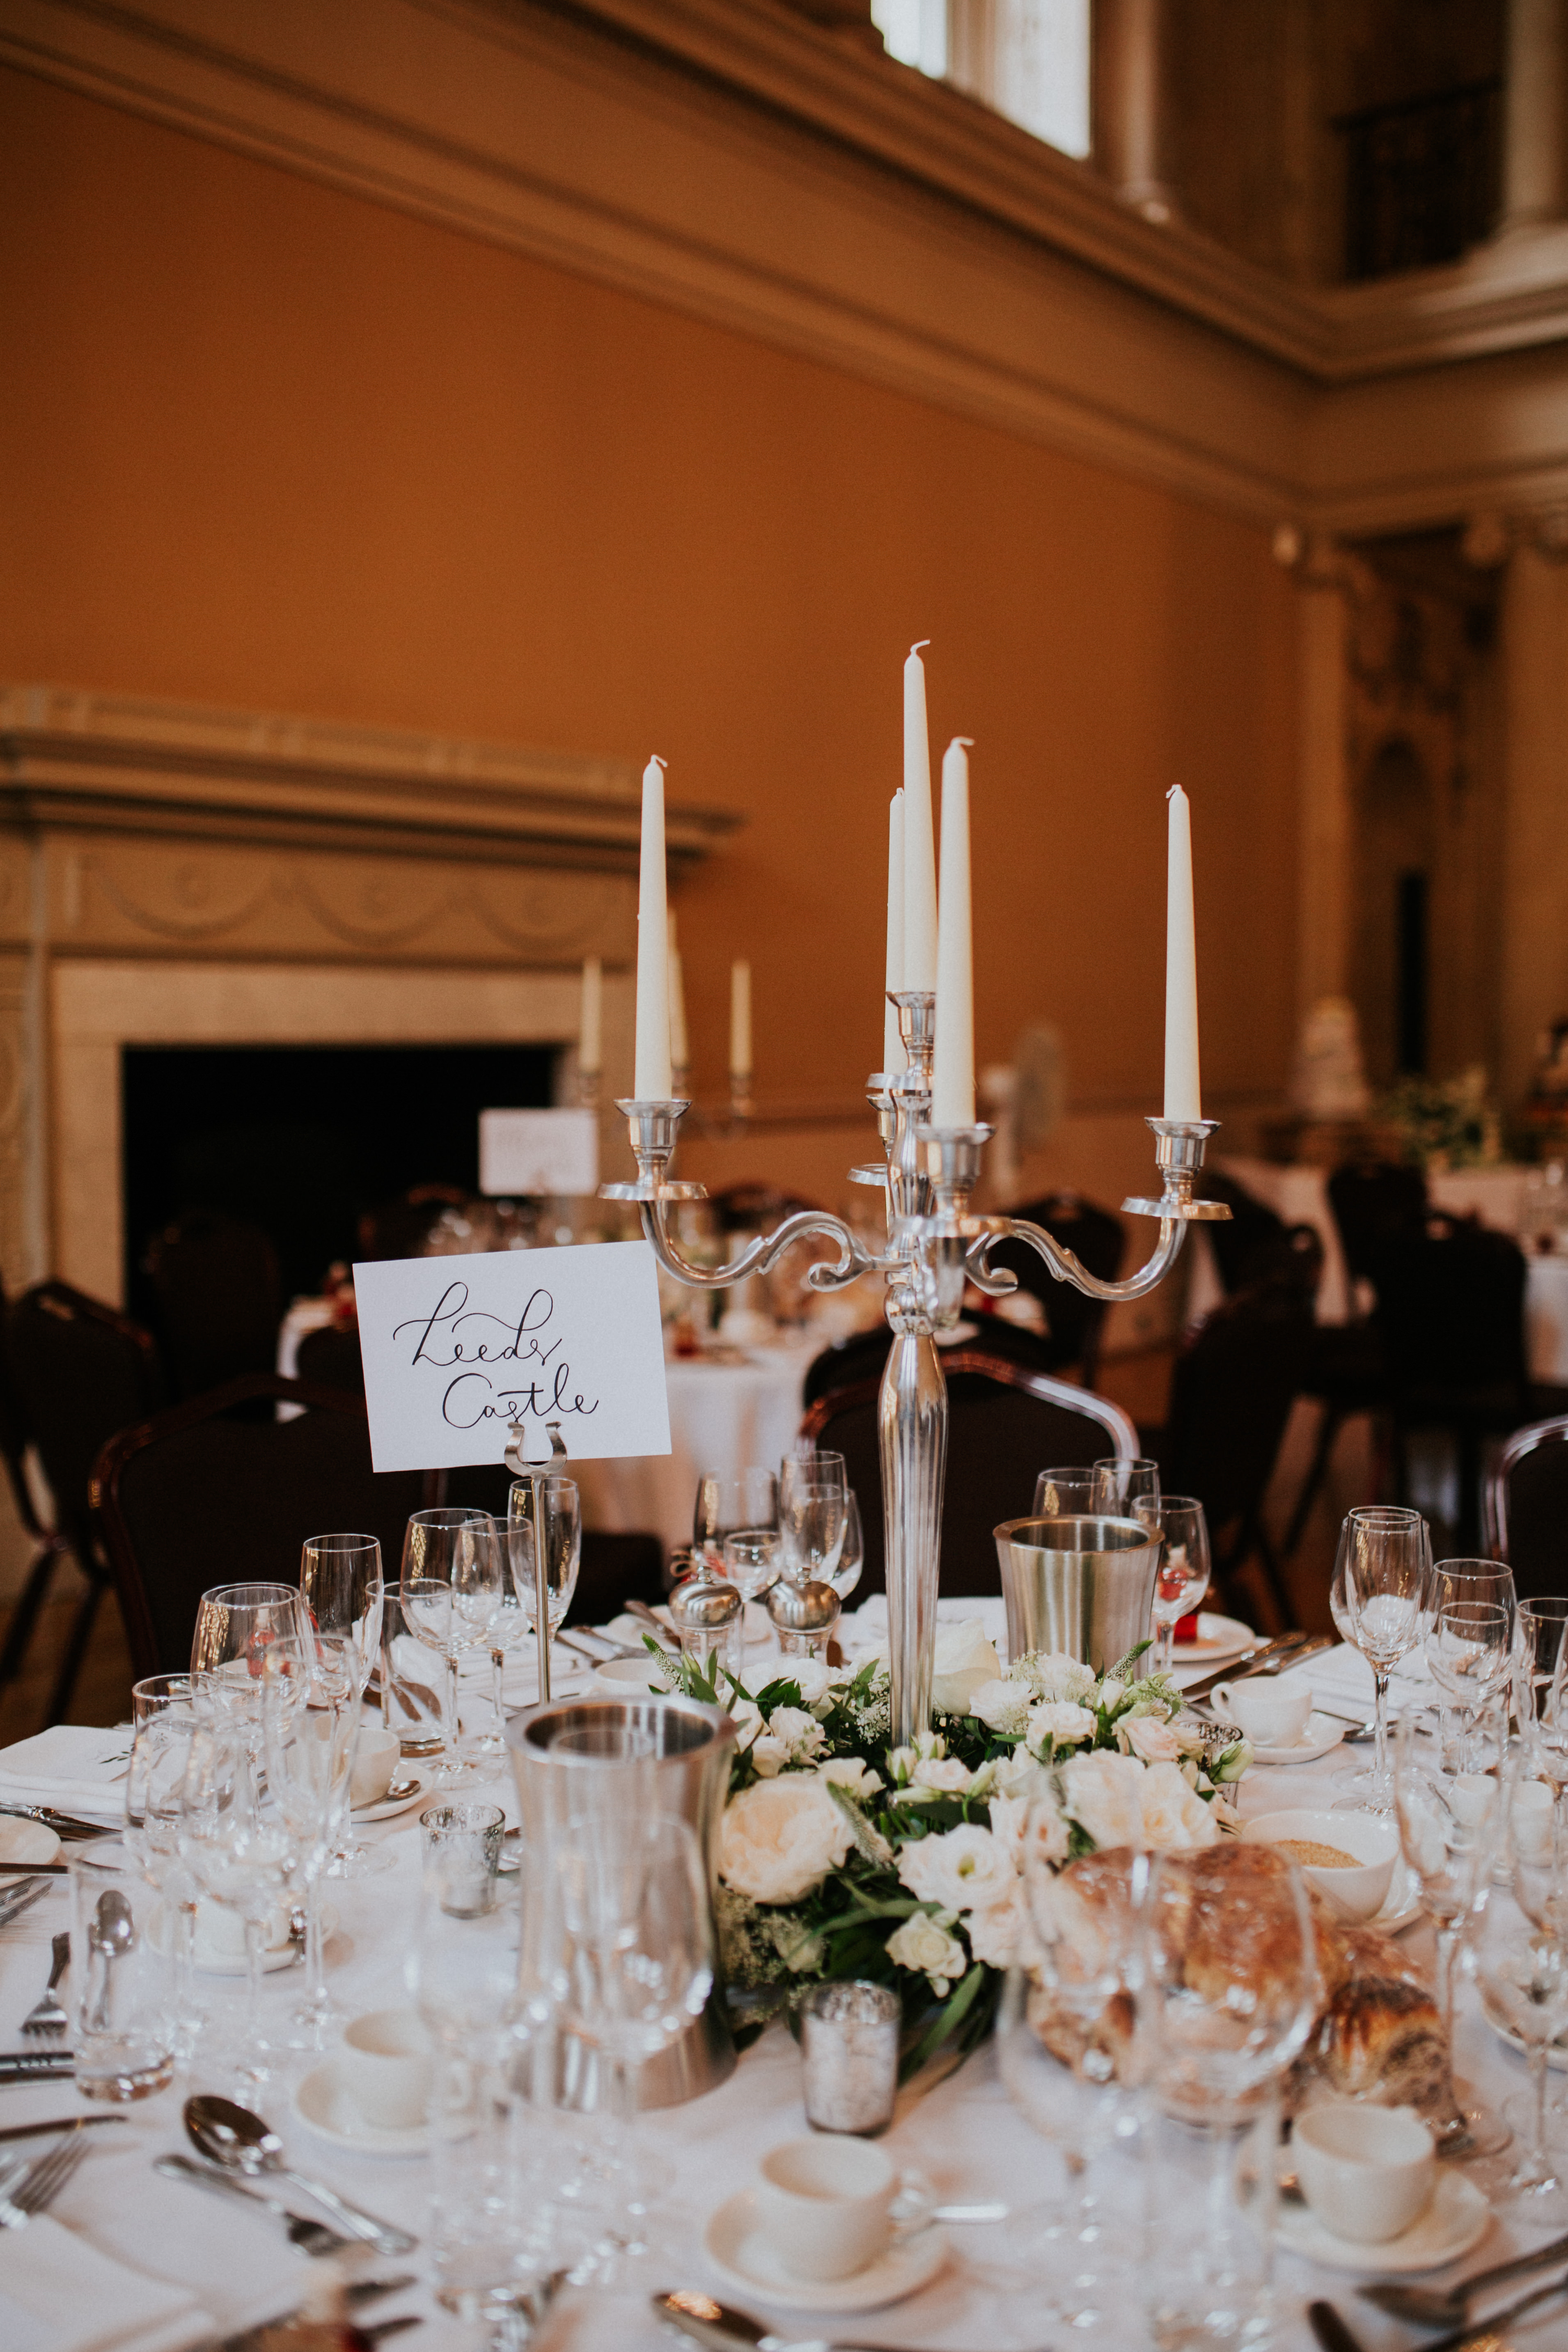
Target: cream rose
[
  {"x": 801, "y": 1733},
  {"x": 1103, "y": 1793},
  {"x": 1059, "y": 1720},
  {"x": 781, "y": 1837},
  {"x": 1149, "y": 1738},
  {"x": 1051, "y": 1673},
  {"x": 965, "y": 1660},
  {"x": 948, "y": 1775},
  {"x": 851, "y": 1772},
  {"x": 1174, "y": 1816},
  {"x": 965, "y": 1867},
  {"x": 993, "y": 1930},
  {"x": 921, "y": 1943},
  {"x": 1002, "y": 1705}
]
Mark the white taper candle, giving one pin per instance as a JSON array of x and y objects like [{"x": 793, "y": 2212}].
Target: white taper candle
[
  {"x": 893, "y": 1057},
  {"x": 679, "y": 1055},
  {"x": 739, "y": 1019},
  {"x": 591, "y": 1020},
  {"x": 650, "y": 1082},
  {"x": 953, "y": 1069},
  {"x": 1182, "y": 1098},
  {"x": 919, "y": 843}
]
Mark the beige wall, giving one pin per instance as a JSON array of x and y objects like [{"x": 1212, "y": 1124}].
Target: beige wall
[{"x": 265, "y": 444}]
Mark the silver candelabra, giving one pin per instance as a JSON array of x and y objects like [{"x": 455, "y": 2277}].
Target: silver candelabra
[{"x": 934, "y": 1246}]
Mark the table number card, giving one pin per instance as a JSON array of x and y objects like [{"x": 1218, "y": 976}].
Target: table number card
[{"x": 455, "y": 1348}]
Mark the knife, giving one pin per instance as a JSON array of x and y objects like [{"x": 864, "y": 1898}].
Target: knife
[
  {"x": 1332, "y": 2332},
  {"x": 357, "y": 2291},
  {"x": 59, "y": 2124},
  {"x": 1488, "y": 2328},
  {"x": 64, "y": 1825},
  {"x": 1269, "y": 1658},
  {"x": 723, "y": 2328}
]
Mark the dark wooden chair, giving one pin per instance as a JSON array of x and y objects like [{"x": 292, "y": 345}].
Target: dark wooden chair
[
  {"x": 77, "y": 1372},
  {"x": 1005, "y": 1424},
  {"x": 208, "y": 1494},
  {"x": 1526, "y": 1509},
  {"x": 219, "y": 1303},
  {"x": 862, "y": 1355}
]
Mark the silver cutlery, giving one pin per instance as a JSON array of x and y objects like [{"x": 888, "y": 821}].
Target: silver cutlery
[
  {"x": 1487, "y": 2328},
  {"x": 46, "y": 2017},
  {"x": 64, "y": 1825},
  {"x": 59, "y": 2124},
  {"x": 36, "y": 2066},
  {"x": 1330, "y": 2330},
  {"x": 20, "y": 1896},
  {"x": 41, "y": 2182},
  {"x": 644, "y": 1616},
  {"x": 1264, "y": 1658},
  {"x": 314, "y": 2237},
  {"x": 722, "y": 2327},
  {"x": 231, "y": 2135},
  {"x": 1433, "y": 2306}
]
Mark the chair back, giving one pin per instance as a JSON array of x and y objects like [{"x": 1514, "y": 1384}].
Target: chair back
[
  {"x": 219, "y": 1303},
  {"x": 1232, "y": 1389},
  {"x": 331, "y": 1359},
  {"x": 1096, "y": 1237},
  {"x": 1374, "y": 1201},
  {"x": 1527, "y": 1507},
  {"x": 1004, "y": 1424},
  {"x": 1450, "y": 1306},
  {"x": 206, "y": 1494},
  {"x": 80, "y": 1372},
  {"x": 1245, "y": 1245},
  {"x": 862, "y": 1356}
]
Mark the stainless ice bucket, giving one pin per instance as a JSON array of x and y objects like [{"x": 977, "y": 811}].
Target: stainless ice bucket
[
  {"x": 581, "y": 1760},
  {"x": 1082, "y": 1585}
]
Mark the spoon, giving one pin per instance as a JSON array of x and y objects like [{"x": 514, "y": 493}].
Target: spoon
[
  {"x": 112, "y": 1935},
  {"x": 241, "y": 2142}
]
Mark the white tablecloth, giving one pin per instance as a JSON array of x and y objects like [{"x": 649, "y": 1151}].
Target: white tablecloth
[
  {"x": 1496, "y": 1195},
  {"x": 965, "y": 2136}
]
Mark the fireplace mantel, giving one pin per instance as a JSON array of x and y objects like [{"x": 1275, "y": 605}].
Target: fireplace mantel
[{"x": 461, "y": 881}]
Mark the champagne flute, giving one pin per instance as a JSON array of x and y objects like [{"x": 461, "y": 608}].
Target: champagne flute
[
  {"x": 851, "y": 1558},
  {"x": 451, "y": 1589},
  {"x": 165, "y": 1712},
  {"x": 1183, "y": 1576},
  {"x": 1384, "y": 1570},
  {"x": 815, "y": 1520},
  {"x": 1540, "y": 1626},
  {"x": 562, "y": 1507},
  {"x": 309, "y": 1718},
  {"x": 237, "y": 1850}
]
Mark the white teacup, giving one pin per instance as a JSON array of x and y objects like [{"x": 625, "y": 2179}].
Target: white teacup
[
  {"x": 1368, "y": 2173},
  {"x": 375, "y": 1764},
  {"x": 823, "y": 2205},
  {"x": 1269, "y": 1717},
  {"x": 385, "y": 2065}
]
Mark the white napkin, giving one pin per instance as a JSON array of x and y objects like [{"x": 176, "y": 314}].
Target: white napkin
[
  {"x": 60, "y": 2293},
  {"x": 75, "y": 1767}
]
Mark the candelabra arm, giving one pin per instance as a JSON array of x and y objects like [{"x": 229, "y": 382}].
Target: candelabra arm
[
  {"x": 764, "y": 1252},
  {"x": 997, "y": 1281}
]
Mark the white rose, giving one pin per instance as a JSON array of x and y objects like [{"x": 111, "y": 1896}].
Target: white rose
[
  {"x": 801, "y": 1733},
  {"x": 1103, "y": 1793},
  {"x": 946, "y": 1774},
  {"x": 921, "y": 1943},
  {"x": 810, "y": 1676},
  {"x": 781, "y": 1837},
  {"x": 965, "y": 1867},
  {"x": 1150, "y": 1738},
  {"x": 1174, "y": 1816},
  {"x": 1002, "y": 1705},
  {"x": 1051, "y": 1673},
  {"x": 992, "y": 1931},
  {"x": 1019, "y": 1775},
  {"x": 769, "y": 1755},
  {"x": 1061, "y": 1720},
  {"x": 851, "y": 1772},
  {"x": 966, "y": 1659}
]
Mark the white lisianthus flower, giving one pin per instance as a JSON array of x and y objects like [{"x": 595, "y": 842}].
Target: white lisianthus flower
[
  {"x": 965, "y": 1660},
  {"x": 1002, "y": 1705},
  {"x": 1102, "y": 1793},
  {"x": 1111, "y": 1693},
  {"x": 780, "y": 1838},
  {"x": 1051, "y": 1673},
  {"x": 801, "y": 1734},
  {"x": 923, "y": 1944},
  {"x": 993, "y": 1930},
  {"x": 1061, "y": 1720},
  {"x": 1045, "y": 1831},
  {"x": 1009, "y": 1815},
  {"x": 982, "y": 1780},
  {"x": 900, "y": 1763},
  {"x": 1149, "y": 1738},
  {"x": 1231, "y": 1764},
  {"x": 1174, "y": 1816},
  {"x": 853, "y": 1773},
  {"x": 965, "y": 1867},
  {"x": 1019, "y": 1775},
  {"x": 946, "y": 1774}
]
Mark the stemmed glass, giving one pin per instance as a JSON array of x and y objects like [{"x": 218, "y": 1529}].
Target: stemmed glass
[
  {"x": 1070, "y": 1491},
  {"x": 851, "y": 1558},
  {"x": 1449, "y": 1824},
  {"x": 309, "y": 1719},
  {"x": 164, "y": 1714},
  {"x": 1183, "y": 1576},
  {"x": 1123, "y": 1486},
  {"x": 814, "y": 1510},
  {"x": 1382, "y": 1582},
  {"x": 1539, "y": 1627},
  {"x": 751, "y": 1561},
  {"x": 235, "y": 1625},
  {"x": 725, "y": 1506},
  {"x": 1523, "y": 1982},
  {"x": 562, "y": 1509},
  {"x": 344, "y": 1594},
  {"x": 1470, "y": 1648},
  {"x": 454, "y": 1580},
  {"x": 238, "y": 1850}
]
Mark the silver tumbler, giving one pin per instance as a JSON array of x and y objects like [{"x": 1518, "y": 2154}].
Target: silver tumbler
[{"x": 1082, "y": 1585}]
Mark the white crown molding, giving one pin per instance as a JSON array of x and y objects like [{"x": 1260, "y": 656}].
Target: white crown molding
[
  {"x": 92, "y": 761},
  {"x": 726, "y": 158}
]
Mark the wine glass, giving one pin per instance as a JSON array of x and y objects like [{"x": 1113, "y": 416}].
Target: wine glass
[
  {"x": 1183, "y": 1576},
  {"x": 851, "y": 1558},
  {"x": 1122, "y": 1485},
  {"x": 1523, "y": 1982},
  {"x": 724, "y": 1505},
  {"x": 1070, "y": 1491},
  {"x": 806, "y": 1467},
  {"x": 1449, "y": 1825},
  {"x": 815, "y": 1520},
  {"x": 310, "y": 1720},
  {"x": 238, "y": 1852},
  {"x": 1470, "y": 1648},
  {"x": 234, "y": 1623},
  {"x": 1382, "y": 1570},
  {"x": 454, "y": 1577},
  {"x": 343, "y": 1593},
  {"x": 1540, "y": 1625},
  {"x": 752, "y": 1560}
]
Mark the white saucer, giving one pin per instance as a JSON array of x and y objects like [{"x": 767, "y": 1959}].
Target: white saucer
[
  {"x": 744, "y": 2260},
  {"x": 1457, "y": 2217},
  {"x": 1218, "y": 1638},
  {"x": 386, "y": 1807},
  {"x": 323, "y": 2106},
  {"x": 1322, "y": 1733},
  {"x": 1556, "y": 2053}
]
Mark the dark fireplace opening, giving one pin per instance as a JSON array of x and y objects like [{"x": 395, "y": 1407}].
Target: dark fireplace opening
[{"x": 302, "y": 1139}]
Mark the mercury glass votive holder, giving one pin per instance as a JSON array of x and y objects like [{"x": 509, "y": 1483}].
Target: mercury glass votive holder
[
  {"x": 850, "y": 2057},
  {"x": 461, "y": 1854}
]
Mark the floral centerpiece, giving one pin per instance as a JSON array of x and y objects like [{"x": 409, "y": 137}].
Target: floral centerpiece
[{"x": 842, "y": 1856}]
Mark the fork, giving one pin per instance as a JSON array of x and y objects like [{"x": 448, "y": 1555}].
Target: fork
[
  {"x": 46, "y": 2017},
  {"x": 19, "y": 1896},
  {"x": 42, "y": 2182}
]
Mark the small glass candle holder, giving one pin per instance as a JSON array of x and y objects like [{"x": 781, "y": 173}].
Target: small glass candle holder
[
  {"x": 462, "y": 1847},
  {"x": 708, "y": 1613},
  {"x": 850, "y": 2057},
  {"x": 804, "y": 1617}
]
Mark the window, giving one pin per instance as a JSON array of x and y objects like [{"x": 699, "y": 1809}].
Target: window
[{"x": 1027, "y": 58}]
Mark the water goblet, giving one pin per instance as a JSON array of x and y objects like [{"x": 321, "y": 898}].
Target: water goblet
[
  {"x": 1383, "y": 1571},
  {"x": 1470, "y": 1648},
  {"x": 454, "y": 1577},
  {"x": 724, "y": 1505},
  {"x": 343, "y": 1593},
  {"x": 1183, "y": 1576}
]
